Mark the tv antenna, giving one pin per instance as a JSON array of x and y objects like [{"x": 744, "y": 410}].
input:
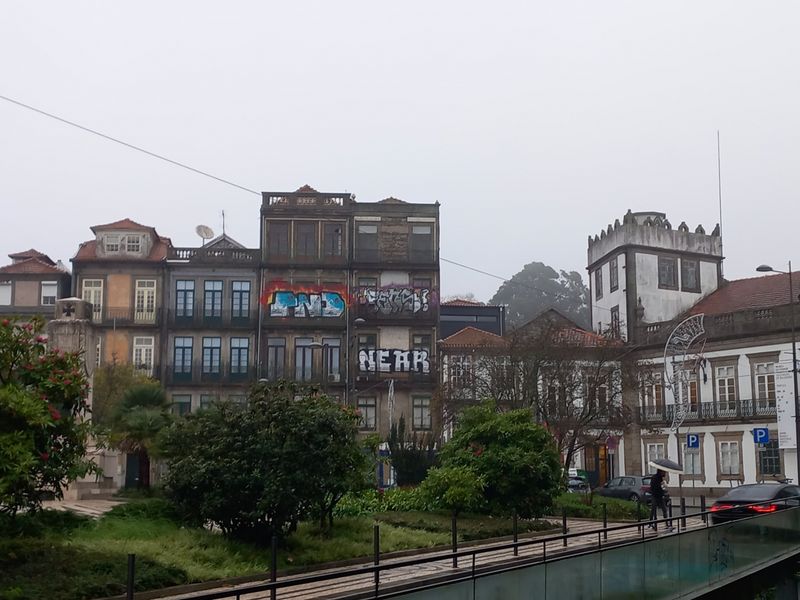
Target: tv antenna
[{"x": 205, "y": 232}]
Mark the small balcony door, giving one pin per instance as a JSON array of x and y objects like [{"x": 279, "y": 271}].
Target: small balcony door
[{"x": 145, "y": 301}]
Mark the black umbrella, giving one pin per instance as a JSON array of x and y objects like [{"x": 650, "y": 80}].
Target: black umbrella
[{"x": 665, "y": 464}]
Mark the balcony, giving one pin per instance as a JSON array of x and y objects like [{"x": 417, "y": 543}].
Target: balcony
[
  {"x": 710, "y": 411},
  {"x": 224, "y": 374},
  {"x": 197, "y": 319},
  {"x": 127, "y": 316},
  {"x": 216, "y": 256}
]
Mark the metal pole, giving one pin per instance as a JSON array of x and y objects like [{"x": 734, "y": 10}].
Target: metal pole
[
  {"x": 605, "y": 521},
  {"x": 703, "y": 508},
  {"x": 273, "y": 566},
  {"x": 454, "y": 532},
  {"x": 564, "y": 524},
  {"x": 794, "y": 376},
  {"x": 376, "y": 546},
  {"x": 683, "y": 512},
  {"x": 131, "y": 576},
  {"x": 516, "y": 535}
]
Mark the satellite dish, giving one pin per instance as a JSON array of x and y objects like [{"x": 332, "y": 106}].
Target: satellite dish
[{"x": 205, "y": 232}]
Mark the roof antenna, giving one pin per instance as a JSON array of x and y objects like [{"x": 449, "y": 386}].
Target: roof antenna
[
  {"x": 223, "y": 222},
  {"x": 719, "y": 193}
]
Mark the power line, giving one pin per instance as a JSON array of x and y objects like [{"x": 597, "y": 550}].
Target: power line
[{"x": 126, "y": 144}]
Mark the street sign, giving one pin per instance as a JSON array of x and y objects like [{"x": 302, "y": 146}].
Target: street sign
[
  {"x": 761, "y": 435},
  {"x": 692, "y": 440}
]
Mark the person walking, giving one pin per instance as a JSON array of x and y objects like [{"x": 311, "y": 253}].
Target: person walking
[{"x": 657, "y": 500}]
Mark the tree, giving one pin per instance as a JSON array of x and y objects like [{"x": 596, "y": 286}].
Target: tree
[
  {"x": 43, "y": 432},
  {"x": 538, "y": 287},
  {"x": 412, "y": 454},
  {"x": 456, "y": 489},
  {"x": 136, "y": 423},
  {"x": 256, "y": 470},
  {"x": 515, "y": 458},
  {"x": 110, "y": 383}
]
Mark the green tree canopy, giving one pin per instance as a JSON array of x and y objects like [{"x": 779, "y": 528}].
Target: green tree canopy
[
  {"x": 110, "y": 382},
  {"x": 515, "y": 458},
  {"x": 412, "y": 453},
  {"x": 256, "y": 470},
  {"x": 43, "y": 431},
  {"x": 538, "y": 287}
]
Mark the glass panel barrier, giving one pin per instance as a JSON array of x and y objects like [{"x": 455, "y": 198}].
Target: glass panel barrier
[
  {"x": 576, "y": 578},
  {"x": 452, "y": 591},
  {"x": 623, "y": 572},
  {"x": 524, "y": 583}
]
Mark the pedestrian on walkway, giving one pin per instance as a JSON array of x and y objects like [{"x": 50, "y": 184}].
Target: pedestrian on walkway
[{"x": 658, "y": 497}]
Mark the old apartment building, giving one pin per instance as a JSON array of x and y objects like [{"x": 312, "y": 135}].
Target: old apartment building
[{"x": 31, "y": 284}]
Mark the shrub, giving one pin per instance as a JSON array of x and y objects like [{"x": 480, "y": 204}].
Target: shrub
[
  {"x": 591, "y": 507},
  {"x": 454, "y": 488},
  {"x": 412, "y": 453}
]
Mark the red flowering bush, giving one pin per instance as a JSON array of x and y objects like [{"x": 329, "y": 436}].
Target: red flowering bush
[{"x": 43, "y": 430}]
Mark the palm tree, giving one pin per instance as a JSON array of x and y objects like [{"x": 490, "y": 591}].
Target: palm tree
[{"x": 137, "y": 420}]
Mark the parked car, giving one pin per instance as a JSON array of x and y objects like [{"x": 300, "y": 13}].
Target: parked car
[
  {"x": 630, "y": 487},
  {"x": 770, "y": 496},
  {"x": 577, "y": 485}
]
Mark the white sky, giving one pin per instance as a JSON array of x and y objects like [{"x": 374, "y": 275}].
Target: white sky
[{"x": 534, "y": 124}]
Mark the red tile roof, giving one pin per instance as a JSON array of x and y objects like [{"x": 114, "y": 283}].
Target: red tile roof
[
  {"x": 31, "y": 265},
  {"x": 746, "y": 294},
  {"x": 471, "y": 337},
  {"x": 123, "y": 224},
  {"x": 462, "y": 302},
  {"x": 32, "y": 253}
]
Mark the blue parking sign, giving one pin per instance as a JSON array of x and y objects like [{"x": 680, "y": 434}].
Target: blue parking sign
[
  {"x": 692, "y": 440},
  {"x": 761, "y": 435}
]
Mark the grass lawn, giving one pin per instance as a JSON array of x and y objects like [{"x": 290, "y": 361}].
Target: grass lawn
[{"x": 63, "y": 556}]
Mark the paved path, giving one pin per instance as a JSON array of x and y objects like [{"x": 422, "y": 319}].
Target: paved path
[
  {"x": 347, "y": 586},
  {"x": 91, "y": 507}
]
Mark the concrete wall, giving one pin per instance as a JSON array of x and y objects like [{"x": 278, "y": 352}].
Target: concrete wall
[
  {"x": 601, "y": 309},
  {"x": 663, "y": 305}
]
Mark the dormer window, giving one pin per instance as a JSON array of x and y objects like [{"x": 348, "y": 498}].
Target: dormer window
[
  {"x": 111, "y": 242},
  {"x": 134, "y": 244}
]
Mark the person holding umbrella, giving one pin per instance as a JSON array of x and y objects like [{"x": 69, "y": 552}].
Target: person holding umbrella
[{"x": 658, "y": 492}]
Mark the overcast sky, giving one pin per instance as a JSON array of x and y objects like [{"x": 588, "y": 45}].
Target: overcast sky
[{"x": 534, "y": 124}]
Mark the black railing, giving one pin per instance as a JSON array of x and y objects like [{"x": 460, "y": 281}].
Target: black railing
[
  {"x": 199, "y": 318},
  {"x": 711, "y": 411},
  {"x": 128, "y": 316},
  {"x": 204, "y": 373}
]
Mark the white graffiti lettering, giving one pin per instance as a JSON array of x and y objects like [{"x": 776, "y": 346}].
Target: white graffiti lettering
[
  {"x": 392, "y": 301},
  {"x": 394, "y": 361}
]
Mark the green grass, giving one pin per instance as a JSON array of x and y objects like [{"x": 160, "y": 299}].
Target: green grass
[
  {"x": 469, "y": 527},
  {"x": 591, "y": 507}
]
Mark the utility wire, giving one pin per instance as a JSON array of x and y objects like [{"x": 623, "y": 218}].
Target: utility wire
[
  {"x": 241, "y": 187},
  {"x": 126, "y": 144}
]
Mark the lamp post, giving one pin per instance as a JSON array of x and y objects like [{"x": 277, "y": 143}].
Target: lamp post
[{"x": 768, "y": 269}]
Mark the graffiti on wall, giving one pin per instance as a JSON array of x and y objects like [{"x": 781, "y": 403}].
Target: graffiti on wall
[
  {"x": 393, "y": 361},
  {"x": 303, "y": 301},
  {"x": 396, "y": 300}
]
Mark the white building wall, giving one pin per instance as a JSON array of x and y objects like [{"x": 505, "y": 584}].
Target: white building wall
[
  {"x": 601, "y": 309},
  {"x": 664, "y": 305}
]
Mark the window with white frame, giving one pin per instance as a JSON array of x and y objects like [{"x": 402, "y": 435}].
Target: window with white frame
[
  {"x": 689, "y": 392},
  {"x": 460, "y": 370},
  {"x": 421, "y": 407},
  {"x": 765, "y": 385},
  {"x": 368, "y": 409},
  {"x": 133, "y": 243},
  {"x": 5, "y": 293},
  {"x": 726, "y": 388},
  {"x": 692, "y": 461},
  {"x": 49, "y": 293},
  {"x": 93, "y": 294},
  {"x": 655, "y": 450},
  {"x": 145, "y": 301},
  {"x": 653, "y": 394},
  {"x": 143, "y": 354},
  {"x": 111, "y": 242},
  {"x": 729, "y": 458}
]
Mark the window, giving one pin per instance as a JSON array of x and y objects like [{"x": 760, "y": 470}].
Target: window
[
  {"x": 368, "y": 282},
  {"x": 653, "y": 395},
  {"x": 240, "y": 301},
  {"x": 613, "y": 275},
  {"x": 421, "y": 244},
  {"x": 368, "y": 409},
  {"x": 305, "y": 239},
  {"x": 276, "y": 358},
  {"x": 421, "y": 407},
  {"x": 333, "y": 233},
  {"x": 181, "y": 404},
  {"x": 726, "y": 389},
  {"x": 303, "y": 356},
  {"x": 208, "y": 400},
  {"x": 367, "y": 242},
  {"x": 145, "y": 301},
  {"x": 212, "y": 300},
  {"x": 238, "y": 399},
  {"x": 598, "y": 284},
  {"x": 133, "y": 244},
  {"x": 93, "y": 294},
  {"x": 690, "y": 275},
  {"x": 769, "y": 458},
  {"x": 49, "y": 292},
  {"x": 729, "y": 458},
  {"x": 615, "y": 329},
  {"x": 667, "y": 273},
  {"x": 421, "y": 341},
  {"x": 278, "y": 238},
  {"x": 597, "y": 396},
  {"x": 212, "y": 350},
  {"x": 655, "y": 450},
  {"x": 240, "y": 355},
  {"x": 5, "y": 293},
  {"x": 143, "y": 355},
  {"x": 421, "y": 283},
  {"x": 184, "y": 298},
  {"x": 689, "y": 392},
  {"x": 461, "y": 371},
  {"x": 182, "y": 358},
  {"x": 111, "y": 242},
  {"x": 692, "y": 461},
  {"x": 331, "y": 350},
  {"x": 765, "y": 386}
]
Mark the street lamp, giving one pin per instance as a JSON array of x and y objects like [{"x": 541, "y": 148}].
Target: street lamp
[{"x": 768, "y": 269}]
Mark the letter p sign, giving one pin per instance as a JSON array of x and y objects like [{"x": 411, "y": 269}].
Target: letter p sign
[
  {"x": 761, "y": 435},
  {"x": 692, "y": 440}
]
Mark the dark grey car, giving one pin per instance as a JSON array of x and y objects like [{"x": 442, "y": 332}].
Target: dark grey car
[{"x": 630, "y": 487}]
